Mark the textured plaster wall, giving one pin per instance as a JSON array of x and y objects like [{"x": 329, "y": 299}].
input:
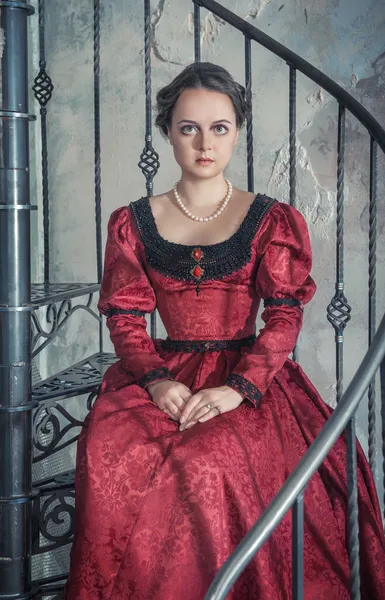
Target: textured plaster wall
[{"x": 343, "y": 38}]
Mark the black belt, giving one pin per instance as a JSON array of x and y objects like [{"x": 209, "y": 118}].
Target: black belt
[{"x": 205, "y": 345}]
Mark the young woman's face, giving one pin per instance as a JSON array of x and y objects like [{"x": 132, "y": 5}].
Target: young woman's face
[{"x": 203, "y": 127}]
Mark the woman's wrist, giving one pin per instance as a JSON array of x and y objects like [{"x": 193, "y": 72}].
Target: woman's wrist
[{"x": 152, "y": 386}]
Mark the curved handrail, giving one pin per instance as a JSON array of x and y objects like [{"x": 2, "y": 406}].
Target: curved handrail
[
  {"x": 335, "y": 90},
  {"x": 308, "y": 465}
]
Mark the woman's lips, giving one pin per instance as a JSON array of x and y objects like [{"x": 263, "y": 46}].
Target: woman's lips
[{"x": 204, "y": 161}]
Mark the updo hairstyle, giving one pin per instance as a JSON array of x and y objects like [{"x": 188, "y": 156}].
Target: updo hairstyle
[{"x": 200, "y": 75}]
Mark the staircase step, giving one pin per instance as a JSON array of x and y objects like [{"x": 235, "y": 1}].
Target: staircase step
[
  {"x": 52, "y": 588},
  {"x": 81, "y": 378},
  {"x": 43, "y": 294},
  {"x": 61, "y": 481}
]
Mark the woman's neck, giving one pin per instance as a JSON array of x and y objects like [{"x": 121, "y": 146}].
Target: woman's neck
[{"x": 202, "y": 192}]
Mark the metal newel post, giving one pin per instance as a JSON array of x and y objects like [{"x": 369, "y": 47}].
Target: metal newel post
[{"x": 15, "y": 331}]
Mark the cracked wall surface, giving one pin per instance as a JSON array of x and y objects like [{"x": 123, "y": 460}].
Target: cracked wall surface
[{"x": 343, "y": 38}]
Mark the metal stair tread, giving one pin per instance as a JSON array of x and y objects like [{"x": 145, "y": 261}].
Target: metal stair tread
[
  {"x": 43, "y": 294},
  {"x": 61, "y": 481},
  {"x": 80, "y": 378}
]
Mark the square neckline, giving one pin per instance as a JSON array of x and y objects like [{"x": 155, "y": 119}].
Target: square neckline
[{"x": 217, "y": 261}]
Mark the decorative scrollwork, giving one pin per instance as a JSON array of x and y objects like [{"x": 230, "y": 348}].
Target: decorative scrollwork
[
  {"x": 338, "y": 312},
  {"x": 65, "y": 480},
  {"x": 43, "y": 86},
  {"x": 55, "y": 520},
  {"x": 48, "y": 430},
  {"x": 91, "y": 399},
  {"x": 56, "y": 317},
  {"x": 149, "y": 161}
]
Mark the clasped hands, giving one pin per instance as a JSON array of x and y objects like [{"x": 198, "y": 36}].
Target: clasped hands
[{"x": 176, "y": 400}]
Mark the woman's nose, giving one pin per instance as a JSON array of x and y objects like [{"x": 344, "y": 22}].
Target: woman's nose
[{"x": 205, "y": 141}]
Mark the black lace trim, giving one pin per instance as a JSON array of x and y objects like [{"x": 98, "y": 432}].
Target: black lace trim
[
  {"x": 206, "y": 345},
  {"x": 121, "y": 311},
  {"x": 154, "y": 375},
  {"x": 216, "y": 261},
  {"x": 281, "y": 302},
  {"x": 244, "y": 387}
]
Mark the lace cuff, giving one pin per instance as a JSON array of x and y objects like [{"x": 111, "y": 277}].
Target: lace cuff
[
  {"x": 281, "y": 302},
  {"x": 244, "y": 387},
  {"x": 154, "y": 375},
  {"x": 121, "y": 311}
]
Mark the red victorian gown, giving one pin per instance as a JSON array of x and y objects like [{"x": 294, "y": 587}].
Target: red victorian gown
[{"x": 158, "y": 511}]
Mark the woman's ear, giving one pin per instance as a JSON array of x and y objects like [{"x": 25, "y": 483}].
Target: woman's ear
[
  {"x": 170, "y": 136},
  {"x": 236, "y": 138}
]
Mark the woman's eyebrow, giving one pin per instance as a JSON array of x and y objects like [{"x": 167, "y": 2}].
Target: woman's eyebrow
[{"x": 195, "y": 123}]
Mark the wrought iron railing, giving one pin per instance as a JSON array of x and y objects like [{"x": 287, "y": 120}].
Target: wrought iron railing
[{"x": 42, "y": 421}]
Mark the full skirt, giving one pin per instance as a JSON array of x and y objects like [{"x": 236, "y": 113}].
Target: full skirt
[{"x": 158, "y": 511}]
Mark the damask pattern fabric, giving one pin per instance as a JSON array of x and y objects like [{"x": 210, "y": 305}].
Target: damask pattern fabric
[{"x": 158, "y": 511}]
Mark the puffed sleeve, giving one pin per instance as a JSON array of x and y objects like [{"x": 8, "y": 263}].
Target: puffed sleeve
[
  {"x": 126, "y": 296},
  {"x": 283, "y": 282}
]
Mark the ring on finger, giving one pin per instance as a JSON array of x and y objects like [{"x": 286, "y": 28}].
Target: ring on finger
[{"x": 209, "y": 406}]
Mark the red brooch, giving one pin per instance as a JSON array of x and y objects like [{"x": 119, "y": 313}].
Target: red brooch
[
  {"x": 197, "y": 254},
  {"x": 197, "y": 272}
]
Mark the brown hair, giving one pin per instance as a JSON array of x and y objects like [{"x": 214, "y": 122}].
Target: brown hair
[{"x": 200, "y": 75}]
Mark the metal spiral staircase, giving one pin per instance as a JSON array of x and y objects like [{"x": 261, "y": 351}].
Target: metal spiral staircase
[{"x": 34, "y": 422}]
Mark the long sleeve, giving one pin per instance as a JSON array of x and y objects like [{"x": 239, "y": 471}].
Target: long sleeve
[
  {"x": 283, "y": 282},
  {"x": 126, "y": 296}
]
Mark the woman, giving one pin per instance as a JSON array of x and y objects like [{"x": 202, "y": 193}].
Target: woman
[{"x": 191, "y": 437}]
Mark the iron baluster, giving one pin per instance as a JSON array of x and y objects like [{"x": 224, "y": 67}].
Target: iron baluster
[
  {"x": 97, "y": 165},
  {"x": 43, "y": 88},
  {"x": 297, "y": 549},
  {"x": 249, "y": 123},
  {"x": 197, "y": 32},
  {"x": 293, "y": 149},
  {"x": 372, "y": 296},
  {"x": 338, "y": 311},
  {"x": 353, "y": 532},
  {"x": 149, "y": 159},
  {"x": 339, "y": 315},
  {"x": 97, "y": 155},
  {"x": 292, "y": 134}
]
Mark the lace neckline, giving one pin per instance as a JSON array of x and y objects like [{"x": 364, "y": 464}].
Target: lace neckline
[{"x": 201, "y": 262}]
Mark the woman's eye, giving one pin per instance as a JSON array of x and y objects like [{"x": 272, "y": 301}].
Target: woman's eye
[
  {"x": 221, "y": 129},
  {"x": 188, "y": 129}
]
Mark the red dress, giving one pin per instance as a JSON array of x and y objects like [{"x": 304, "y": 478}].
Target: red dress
[{"x": 158, "y": 511}]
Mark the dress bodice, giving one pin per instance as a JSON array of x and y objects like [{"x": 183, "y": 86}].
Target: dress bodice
[
  {"x": 209, "y": 292},
  {"x": 203, "y": 292}
]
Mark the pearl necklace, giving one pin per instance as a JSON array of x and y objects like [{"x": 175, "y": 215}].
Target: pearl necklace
[{"x": 211, "y": 217}]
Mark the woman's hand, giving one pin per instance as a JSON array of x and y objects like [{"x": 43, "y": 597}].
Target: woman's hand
[
  {"x": 170, "y": 396},
  {"x": 207, "y": 404}
]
